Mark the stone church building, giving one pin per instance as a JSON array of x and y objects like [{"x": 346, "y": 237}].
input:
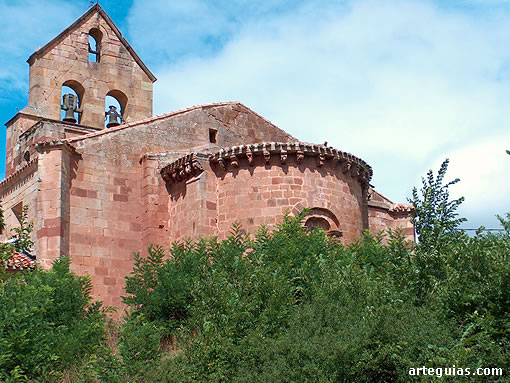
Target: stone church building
[{"x": 100, "y": 192}]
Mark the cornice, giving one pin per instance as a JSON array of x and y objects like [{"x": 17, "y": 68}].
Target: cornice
[
  {"x": 18, "y": 173},
  {"x": 47, "y": 145},
  {"x": 184, "y": 168},
  {"x": 229, "y": 157}
]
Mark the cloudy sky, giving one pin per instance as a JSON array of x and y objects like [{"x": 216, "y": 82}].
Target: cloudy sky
[{"x": 401, "y": 84}]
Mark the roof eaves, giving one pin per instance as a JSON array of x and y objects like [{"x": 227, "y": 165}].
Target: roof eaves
[{"x": 18, "y": 172}]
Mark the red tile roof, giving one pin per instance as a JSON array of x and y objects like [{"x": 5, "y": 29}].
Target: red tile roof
[{"x": 19, "y": 261}]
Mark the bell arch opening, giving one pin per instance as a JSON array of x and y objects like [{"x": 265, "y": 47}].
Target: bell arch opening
[
  {"x": 72, "y": 96},
  {"x": 115, "y": 106}
]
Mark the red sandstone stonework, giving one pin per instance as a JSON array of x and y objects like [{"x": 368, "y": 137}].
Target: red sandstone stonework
[{"x": 100, "y": 195}]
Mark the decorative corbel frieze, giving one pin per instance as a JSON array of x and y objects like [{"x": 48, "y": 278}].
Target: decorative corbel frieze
[
  {"x": 184, "y": 168},
  {"x": 320, "y": 160},
  {"x": 249, "y": 156}
]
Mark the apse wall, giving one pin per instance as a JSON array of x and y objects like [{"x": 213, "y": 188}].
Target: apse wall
[{"x": 257, "y": 184}]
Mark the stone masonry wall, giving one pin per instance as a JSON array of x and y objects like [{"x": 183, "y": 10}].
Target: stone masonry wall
[
  {"x": 384, "y": 214},
  {"x": 15, "y": 127},
  {"x": 21, "y": 187},
  {"x": 105, "y": 215},
  {"x": 382, "y": 219}
]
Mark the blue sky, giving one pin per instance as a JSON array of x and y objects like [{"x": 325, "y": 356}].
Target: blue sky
[{"x": 401, "y": 84}]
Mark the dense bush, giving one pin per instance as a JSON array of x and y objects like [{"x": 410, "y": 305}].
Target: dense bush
[
  {"x": 293, "y": 306},
  {"x": 47, "y": 323}
]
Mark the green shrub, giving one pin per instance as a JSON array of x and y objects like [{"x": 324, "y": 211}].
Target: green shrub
[
  {"x": 290, "y": 305},
  {"x": 47, "y": 322}
]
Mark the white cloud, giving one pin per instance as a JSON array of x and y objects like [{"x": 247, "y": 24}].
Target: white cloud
[
  {"x": 483, "y": 168},
  {"x": 400, "y": 84}
]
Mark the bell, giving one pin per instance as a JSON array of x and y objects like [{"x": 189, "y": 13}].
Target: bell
[
  {"x": 70, "y": 105},
  {"x": 114, "y": 117},
  {"x": 69, "y": 116}
]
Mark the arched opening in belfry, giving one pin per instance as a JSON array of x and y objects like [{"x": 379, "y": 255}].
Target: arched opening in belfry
[
  {"x": 72, "y": 96},
  {"x": 115, "y": 107},
  {"x": 95, "y": 37}
]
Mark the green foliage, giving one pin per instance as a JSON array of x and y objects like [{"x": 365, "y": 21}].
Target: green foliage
[
  {"x": 139, "y": 344},
  {"x": 47, "y": 321},
  {"x": 21, "y": 237},
  {"x": 291, "y": 305},
  {"x": 505, "y": 222},
  {"x": 436, "y": 217}
]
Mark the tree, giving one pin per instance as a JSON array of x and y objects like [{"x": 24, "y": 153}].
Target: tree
[{"x": 436, "y": 217}]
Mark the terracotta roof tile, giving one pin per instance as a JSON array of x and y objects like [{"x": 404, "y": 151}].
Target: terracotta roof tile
[
  {"x": 18, "y": 172},
  {"x": 20, "y": 261}
]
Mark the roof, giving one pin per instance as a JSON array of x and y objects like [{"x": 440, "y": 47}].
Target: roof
[
  {"x": 378, "y": 200},
  {"x": 96, "y": 8},
  {"x": 161, "y": 117},
  {"x": 20, "y": 261}
]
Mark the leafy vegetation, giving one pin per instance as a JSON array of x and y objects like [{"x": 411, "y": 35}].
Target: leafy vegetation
[
  {"x": 19, "y": 241},
  {"x": 47, "y": 322},
  {"x": 287, "y": 305}
]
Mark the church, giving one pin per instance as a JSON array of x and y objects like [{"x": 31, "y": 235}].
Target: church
[{"x": 103, "y": 178}]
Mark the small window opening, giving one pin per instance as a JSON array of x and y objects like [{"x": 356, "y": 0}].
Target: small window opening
[
  {"x": 71, "y": 110},
  {"x": 18, "y": 211},
  {"x": 212, "y": 135},
  {"x": 335, "y": 234},
  {"x": 94, "y": 43},
  {"x": 26, "y": 156}
]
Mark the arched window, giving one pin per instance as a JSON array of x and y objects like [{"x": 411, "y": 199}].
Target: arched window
[
  {"x": 115, "y": 107},
  {"x": 72, "y": 96},
  {"x": 313, "y": 222},
  {"x": 95, "y": 37},
  {"x": 325, "y": 219}
]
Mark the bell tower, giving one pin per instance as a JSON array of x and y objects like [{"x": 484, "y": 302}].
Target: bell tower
[
  {"x": 74, "y": 78},
  {"x": 92, "y": 58}
]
